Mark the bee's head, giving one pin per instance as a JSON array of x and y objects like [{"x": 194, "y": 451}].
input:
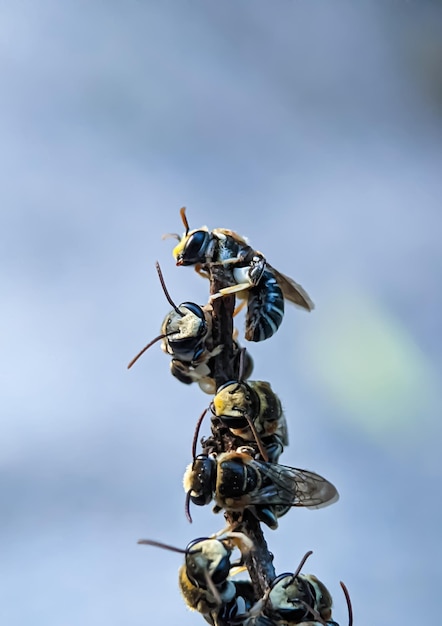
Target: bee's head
[
  {"x": 192, "y": 246},
  {"x": 207, "y": 556},
  {"x": 199, "y": 479},
  {"x": 233, "y": 402},
  {"x": 186, "y": 331},
  {"x": 291, "y": 597}
]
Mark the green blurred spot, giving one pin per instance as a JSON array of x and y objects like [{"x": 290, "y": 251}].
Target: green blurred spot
[{"x": 370, "y": 367}]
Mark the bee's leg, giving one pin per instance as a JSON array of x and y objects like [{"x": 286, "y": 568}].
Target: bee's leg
[
  {"x": 267, "y": 515},
  {"x": 227, "y": 291},
  {"x": 239, "y": 307},
  {"x": 235, "y": 312},
  {"x": 232, "y": 261},
  {"x": 237, "y": 568},
  {"x": 183, "y": 372},
  {"x": 201, "y": 271},
  {"x": 241, "y": 541},
  {"x": 222, "y": 532}
]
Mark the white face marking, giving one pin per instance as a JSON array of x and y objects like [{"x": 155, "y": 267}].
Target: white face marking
[
  {"x": 188, "y": 325},
  {"x": 284, "y": 596},
  {"x": 214, "y": 551}
]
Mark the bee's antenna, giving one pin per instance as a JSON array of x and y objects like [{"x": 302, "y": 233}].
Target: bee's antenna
[
  {"x": 235, "y": 389},
  {"x": 242, "y": 359},
  {"x": 184, "y": 218},
  {"x": 135, "y": 359},
  {"x": 211, "y": 586},
  {"x": 197, "y": 432},
  {"x": 187, "y": 508},
  {"x": 350, "y": 609},
  {"x": 302, "y": 563},
  {"x": 258, "y": 440},
  {"x": 159, "y": 544},
  {"x": 316, "y": 615},
  {"x": 166, "y": 293}
]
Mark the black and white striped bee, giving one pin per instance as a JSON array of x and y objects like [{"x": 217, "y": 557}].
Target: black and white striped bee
[
  {"x": 205, "y": 578},
  {"x": 253, "y": 279},
  {"x": 237, "y": 481},
  {"x": 253, "y": 412},
  {"x": 186, "y": 335},
  {"x": 295, "y": 599}
]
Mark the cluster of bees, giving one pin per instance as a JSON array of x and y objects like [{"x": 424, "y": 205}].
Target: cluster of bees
[{"x": 238, "y": 468}]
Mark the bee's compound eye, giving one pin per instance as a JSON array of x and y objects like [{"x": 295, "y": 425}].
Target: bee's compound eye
[
  {"x": 222, "y": 570},
  {"x": 201, "y": 499},
  {"x": 195, "y": 248}
]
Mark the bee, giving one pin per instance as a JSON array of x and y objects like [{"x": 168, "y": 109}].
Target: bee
[
  {"x": 295, "y": 599},
  {"x": 205, "y": 577},
  {"x": 186, "y": 335},
  {"x": 238, "y": 404},
  {"x": 252, "y": 278},
  {"x": 236, "y": 481},
  {"x": 292, "y": 598}
]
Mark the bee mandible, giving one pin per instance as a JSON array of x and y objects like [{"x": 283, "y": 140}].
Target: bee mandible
[{"x": 252, "y": 278}]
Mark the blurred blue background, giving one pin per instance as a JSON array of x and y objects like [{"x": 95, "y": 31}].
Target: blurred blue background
[{"x": 314, "y": 129}]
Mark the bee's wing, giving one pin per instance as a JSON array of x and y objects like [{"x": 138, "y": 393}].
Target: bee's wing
[
  {"x": 288, "y": 486},
  {"x": 283, "y": 430},
  {"x": 226, "y": 232},
  {"x": 292, "y": 291}
]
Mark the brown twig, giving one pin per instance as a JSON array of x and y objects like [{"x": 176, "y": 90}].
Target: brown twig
[{"x": 259, "y": 562}]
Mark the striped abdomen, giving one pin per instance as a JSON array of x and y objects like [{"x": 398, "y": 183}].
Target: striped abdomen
[{"x": 265, "y": 308}]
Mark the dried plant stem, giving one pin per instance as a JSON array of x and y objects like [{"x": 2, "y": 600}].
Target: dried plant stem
[{"x": 260, "y": 562}]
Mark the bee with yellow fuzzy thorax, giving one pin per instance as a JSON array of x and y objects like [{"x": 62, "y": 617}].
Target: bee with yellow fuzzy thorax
[
  {"x": 205, "y": 578},
  {"x": 237, "y": 481},
  {"x": 252, "y": 411}
]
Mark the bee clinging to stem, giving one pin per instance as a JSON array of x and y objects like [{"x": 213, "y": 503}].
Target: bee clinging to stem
[
  {"x": 253, "y": 415},
  {"x": 252, "y": 412},
  {"x": 295, "y": 599},
  {"x": 236, "y": 481},
  {"x": 205, "y": 577},
  {"x": 252, "y": 278},
  {"x": 186, "y": 335}
]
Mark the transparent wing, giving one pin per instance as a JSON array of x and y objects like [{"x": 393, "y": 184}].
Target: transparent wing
[
  {"x": 226, "y": 232},
  {"x": 289, "y": 486},
  {"x": 292, "y": 291}
]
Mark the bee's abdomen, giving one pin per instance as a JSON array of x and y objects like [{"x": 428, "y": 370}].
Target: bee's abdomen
[{"x": 265, "y": 308}]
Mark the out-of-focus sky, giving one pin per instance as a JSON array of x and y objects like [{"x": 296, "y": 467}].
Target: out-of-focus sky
[{"x": 313, "y": 128}]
